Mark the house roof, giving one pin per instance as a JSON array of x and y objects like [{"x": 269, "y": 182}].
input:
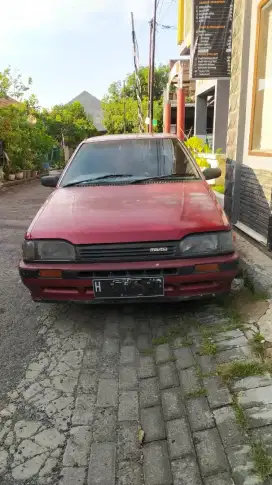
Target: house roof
[
  {"x": 92, "y": 107},
  {"x": 7, "y": 102}
]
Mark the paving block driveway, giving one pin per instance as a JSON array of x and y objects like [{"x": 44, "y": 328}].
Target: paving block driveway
[{"x": 122, "y": 395}]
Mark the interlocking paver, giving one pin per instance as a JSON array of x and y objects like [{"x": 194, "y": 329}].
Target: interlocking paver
[
  {"x": 168, "y": 375},
  {"x": 210, "y": 452},
  {"x": 221, "y": 479},
  {"x": 186, "y": 471},
  {"x": 260, "y": 396},
  {"x": 189, "y": 381},
  {"x": 146, "y": 367},
  {"x": 242, "y": 465},
  {"x": 104, "y": 425},
  {"x": 149, "y": 392},
  {"x": 72, "y": 476},
  {"x": 231, "y": 433},
  {"x": 172, "y": 404},
  {"x": 153, "y": 424},
  {"x": 107, "y": 393},
  {"x": 163, "y": 353},
  {"x": 184, "y": 358},
  {"x": 129, "y": 472},
  {"x": 179, "y": 438},
  {"x": 238, "y": 353},
  {"x": 157, "y": 469},
  {"x": 144, "y": 342},
  {"x": 102, "y": 464},
  {"x": 111, "y": 346},
  {"x": 199, "y": 413},
  {"x": 217, "y": 392},
  {"x": 259, "y": 416},
  {"x": 128, "y": 406},
  {"x": 128, "y": 378},
  {"x": 128, "y": 354},
  {"x": 78, "y": 447},
  {"x": 252, "y": 382},
  {"x": 128, "y": 443},
  {"x": 207, "y": 363}
]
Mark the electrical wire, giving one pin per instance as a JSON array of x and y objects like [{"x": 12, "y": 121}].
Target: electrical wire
[{"x": 168, "y": 6}]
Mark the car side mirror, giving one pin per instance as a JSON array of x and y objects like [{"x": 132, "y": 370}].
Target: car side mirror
[
  {"x": 212, "y": 173},
  {"x": 50, "y": 180}
]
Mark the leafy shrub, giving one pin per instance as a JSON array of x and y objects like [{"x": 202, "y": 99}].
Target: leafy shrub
[{"x": 196, "y": 147}]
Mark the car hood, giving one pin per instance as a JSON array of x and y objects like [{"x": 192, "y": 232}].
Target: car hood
[{"x": 127, "y": 213}]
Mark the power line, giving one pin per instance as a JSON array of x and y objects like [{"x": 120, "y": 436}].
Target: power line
[
  {"x": 167, "y": 27},
  {"x": 168, "y": 6}
]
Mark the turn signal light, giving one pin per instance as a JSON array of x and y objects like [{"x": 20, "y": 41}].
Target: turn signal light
[
  {"x": 206, "y": 268},
  {"x": 50, "y": 273}
]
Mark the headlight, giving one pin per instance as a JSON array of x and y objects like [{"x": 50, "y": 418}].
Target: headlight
[
  {"x": 48, "y": 250},
  {"x": 207, "y": 244}
]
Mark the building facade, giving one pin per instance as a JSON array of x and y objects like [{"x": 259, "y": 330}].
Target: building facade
[
  {"x": 248, "y": 186},
  {"x": 242, "y": 106}
]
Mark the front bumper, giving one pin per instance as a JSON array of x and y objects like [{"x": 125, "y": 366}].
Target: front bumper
[{"x": 183, "y": 279}]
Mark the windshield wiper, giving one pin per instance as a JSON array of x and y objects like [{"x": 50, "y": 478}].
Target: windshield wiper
[
  {"x": 100, "y": 177},
  {"x": 164, "y": 177}
]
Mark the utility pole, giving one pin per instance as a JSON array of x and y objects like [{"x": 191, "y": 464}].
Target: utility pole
[
  {"x": 152, "y": 70},
  {"x": 149, "y": 68},
  {"x": 137, "y": 79},
  {"x": 124, "y": 96}
]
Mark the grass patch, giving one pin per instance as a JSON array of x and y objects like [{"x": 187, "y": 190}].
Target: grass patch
[
  {"x": 241, "y": 369},
  {"x": 173, "y": 333},
  {"x": 208, "y": 347},
  {"x": 164, "y": 339},
  {"x": 239, "y": 414},
  {"x": 149, "y": 351},
  {"x": 199, "y": 393},
  {"x": 257, "y": 344},
  {"x": 187, "y": 341},
  {"x": 262, "y": 461}
]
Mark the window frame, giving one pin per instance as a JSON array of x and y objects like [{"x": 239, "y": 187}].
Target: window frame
[{"x": 251, "y": 151}]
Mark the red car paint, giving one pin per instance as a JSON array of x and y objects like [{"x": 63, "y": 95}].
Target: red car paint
[
  {"x": 128, "y": 213},
  {"x": 108, "y": 214}
]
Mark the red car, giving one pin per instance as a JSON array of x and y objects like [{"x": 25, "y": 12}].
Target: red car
[{"x": 132, "y": 218}]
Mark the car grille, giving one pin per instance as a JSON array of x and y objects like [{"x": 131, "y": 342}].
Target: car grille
[{"x": 147, "y": 251}]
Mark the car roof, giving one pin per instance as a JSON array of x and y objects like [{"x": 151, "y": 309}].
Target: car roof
[{"x": 131, "y": 136}]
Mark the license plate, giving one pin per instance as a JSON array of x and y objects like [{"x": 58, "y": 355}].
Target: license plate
[{"x": 128, "y": 288}]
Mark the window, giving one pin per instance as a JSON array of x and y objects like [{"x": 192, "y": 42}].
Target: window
[
  {"x": 137, "y": 157},
  {"x": 261, "y": 134}
]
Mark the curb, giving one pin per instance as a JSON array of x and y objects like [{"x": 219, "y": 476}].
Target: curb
[
  {"x": 255, "y": 265},
  {"x": 14, "y": 183}
]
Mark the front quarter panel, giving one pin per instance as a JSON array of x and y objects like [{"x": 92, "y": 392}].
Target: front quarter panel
[{"x": 28, "y": 234}]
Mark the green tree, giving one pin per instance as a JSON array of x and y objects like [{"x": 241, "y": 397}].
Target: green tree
[
  {"x": 120, "y": 103},
  {"x": 12, "y": 84},
  {"x": 160, "y": 82},
  {"x": 122, "y": 115},
  {"x": 26, "y": 139},
  {"x": 69, "y": 122}
]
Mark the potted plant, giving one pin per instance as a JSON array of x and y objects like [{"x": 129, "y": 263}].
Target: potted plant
[
  {"x": 27, "y": 169},
  {"x": 19, "y": 173}
]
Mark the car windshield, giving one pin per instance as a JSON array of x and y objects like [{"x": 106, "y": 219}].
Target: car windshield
[{"x": 129, "y": 160}]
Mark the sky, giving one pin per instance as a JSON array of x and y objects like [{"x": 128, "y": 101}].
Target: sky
[{"x": 70, "y": 46}]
